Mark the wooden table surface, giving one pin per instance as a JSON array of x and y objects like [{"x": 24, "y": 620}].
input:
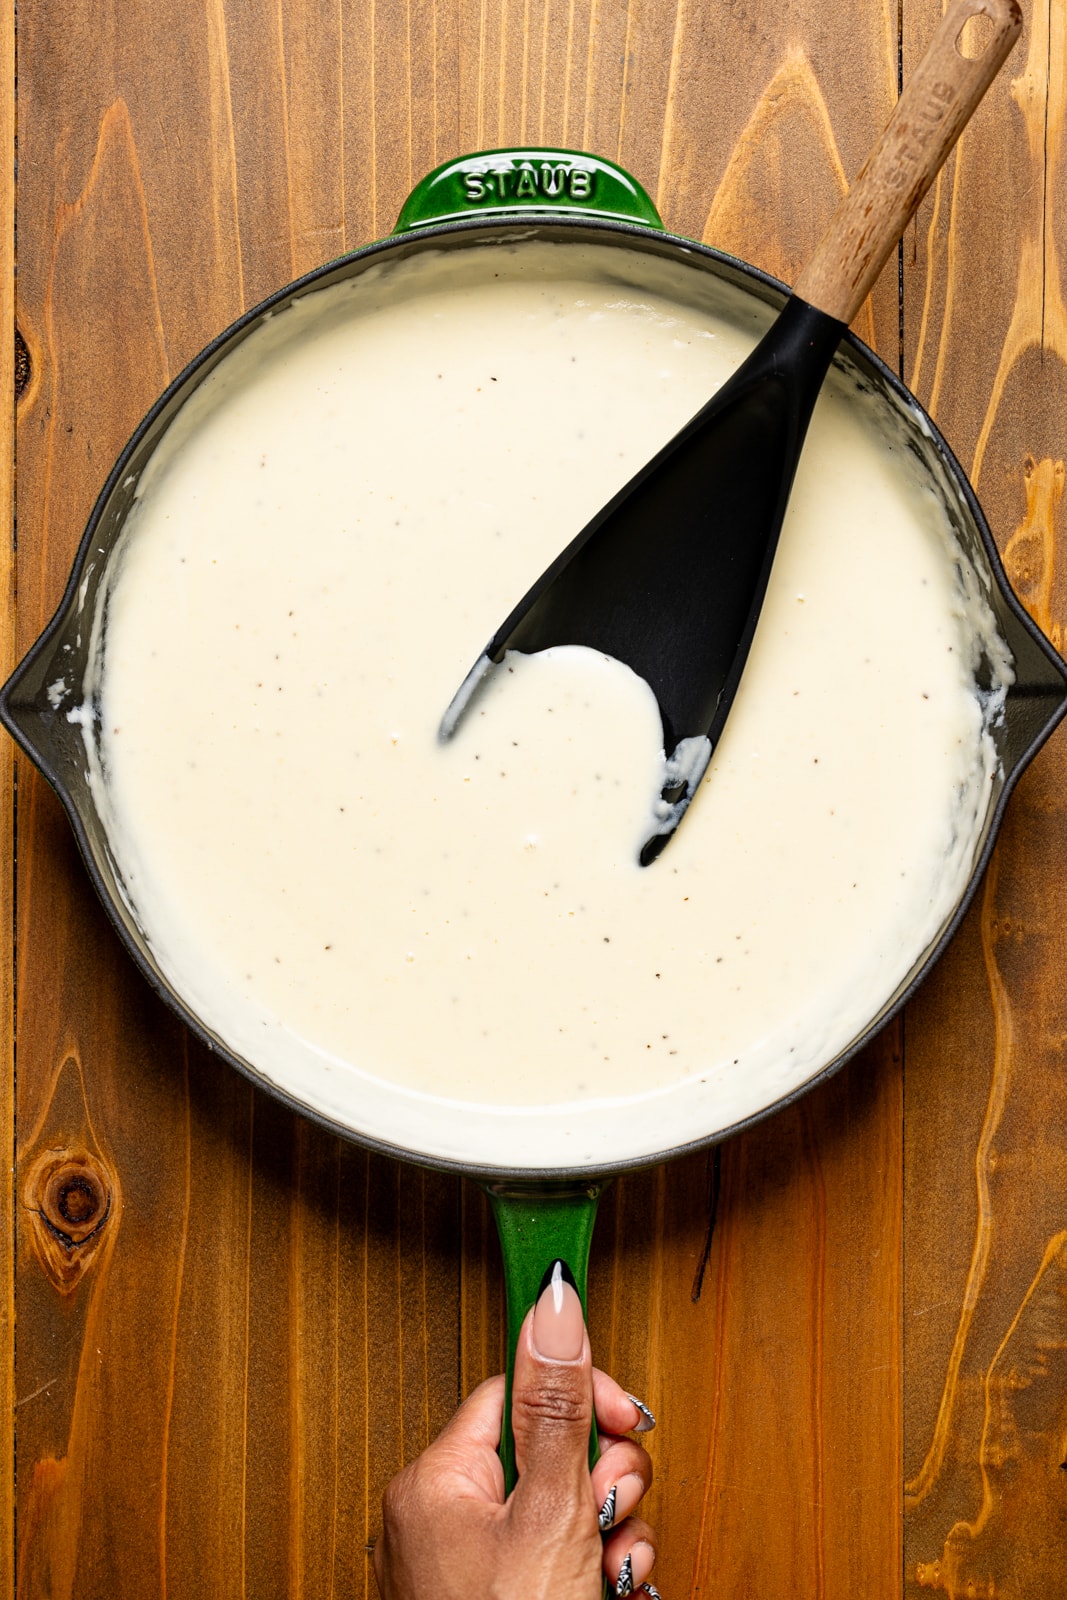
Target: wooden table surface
[{"x": 232, "y": 1329}]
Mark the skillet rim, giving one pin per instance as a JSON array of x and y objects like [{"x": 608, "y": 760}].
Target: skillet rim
[{"x": 522, "y": 226}]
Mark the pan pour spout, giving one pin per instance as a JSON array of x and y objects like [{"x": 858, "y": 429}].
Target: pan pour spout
[{"x": 669, "y": 577}]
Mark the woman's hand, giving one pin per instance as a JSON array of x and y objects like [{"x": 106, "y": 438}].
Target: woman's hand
[{"x": 448, "y": 1532}]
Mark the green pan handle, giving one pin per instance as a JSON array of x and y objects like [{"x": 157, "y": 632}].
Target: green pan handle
[
  {"x": 539, "y": 1223},
  {"x": 516, "y": 184}
]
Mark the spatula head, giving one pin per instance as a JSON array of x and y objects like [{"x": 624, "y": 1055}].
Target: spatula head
[{"x": 670, "y": 576}]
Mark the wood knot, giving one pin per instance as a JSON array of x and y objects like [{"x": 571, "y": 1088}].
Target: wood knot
[
  {"x": 1029, "y": 556},
  {"x": 70, "y": 1198},
  {"x": 22, "y": 366},
  {"x": 75, "y": 1200}
]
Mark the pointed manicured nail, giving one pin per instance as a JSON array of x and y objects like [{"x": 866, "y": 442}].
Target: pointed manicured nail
[
  {"x": 636, "y": 1566},
  {"x": 623, "y": 1497},
  {"x": 606, "y": 1515},
  {"x": 646, "y": 1421},
  {"x": 650, "y": 1589},
  {"x": 558, "y": 1325}
]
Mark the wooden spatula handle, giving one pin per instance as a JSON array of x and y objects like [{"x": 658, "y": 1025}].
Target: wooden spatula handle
[{"x": 930, "y": 115}]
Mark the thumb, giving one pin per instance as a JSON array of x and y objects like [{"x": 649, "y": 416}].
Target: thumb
[{"x": 552, "y": 1393}]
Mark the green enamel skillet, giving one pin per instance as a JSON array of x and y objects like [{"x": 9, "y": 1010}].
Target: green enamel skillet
[{"x": 498, "y": 196}]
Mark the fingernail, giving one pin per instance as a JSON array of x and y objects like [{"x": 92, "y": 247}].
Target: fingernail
[
  {"x": 558, "y": 1325},
  {"x": 646, "y": 1421},
  {"x": 650, "y": 1589},
  {"x": 621, "y": 1499},
  {"x": 636, "y": 1566}
]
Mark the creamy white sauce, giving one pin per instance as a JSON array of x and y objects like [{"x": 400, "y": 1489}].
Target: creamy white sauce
[{"x": 451, "y": 947}]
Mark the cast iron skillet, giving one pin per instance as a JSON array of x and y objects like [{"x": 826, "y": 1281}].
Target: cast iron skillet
[{"x": 477, "y": 201}]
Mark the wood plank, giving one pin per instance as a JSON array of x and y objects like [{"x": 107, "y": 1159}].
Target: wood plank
[
  {"x": 985, "y": 1298},
  {"x": 760, "y": 1324},
  {"x": 768, "y": 119},
  {"x": 8, "y": 1204}
]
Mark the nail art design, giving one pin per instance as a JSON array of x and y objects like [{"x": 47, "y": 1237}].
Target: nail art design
[
  {"x": 650, "y": 1589},
  {"x": 648, "y": 1421},
  {"x": 625, "y": 1585},
  {"x": 607, "y": 1510},
  {"x": 558, "y": 1271}
]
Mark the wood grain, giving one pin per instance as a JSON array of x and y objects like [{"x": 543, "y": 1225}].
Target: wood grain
[
  {"x": 232, "y": 1328},
  {"x": 8, "y": 1206},
  {"x": 985, "y": 1155}
]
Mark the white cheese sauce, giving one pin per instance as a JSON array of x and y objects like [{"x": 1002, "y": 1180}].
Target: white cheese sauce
[{"x": 451, "y": 947}]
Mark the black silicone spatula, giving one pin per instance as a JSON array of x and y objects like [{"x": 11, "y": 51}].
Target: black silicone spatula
[{"x": 670, "y": 576}]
